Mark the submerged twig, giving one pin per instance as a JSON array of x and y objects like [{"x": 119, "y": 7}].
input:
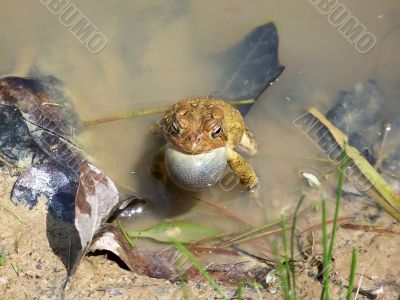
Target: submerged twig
[
  {"x": 148, "y": 112},
  {"x": 224, "y": 211},
  {"x": 12, "y": 213},
  {"x": 368, "y": 228},
  {"x": 5, "y": 162}
]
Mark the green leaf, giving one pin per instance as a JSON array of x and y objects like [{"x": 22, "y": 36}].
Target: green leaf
[{"x": 181, "y": 232}]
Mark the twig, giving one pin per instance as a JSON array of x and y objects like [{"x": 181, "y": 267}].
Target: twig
[
  {"x": 148, "y": 112},
  {"x": 4, "y": 161},
  {"x": 224, "y": 211},
  {"x": 12, "y": 213}
]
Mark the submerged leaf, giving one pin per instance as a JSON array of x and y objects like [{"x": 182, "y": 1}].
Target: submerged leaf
[
  {"x": 48, "y": 114},
  {"x": 377, "y": 188},
  {"x": 249, "y": 67},
  {"x": 181, "y": 232}
]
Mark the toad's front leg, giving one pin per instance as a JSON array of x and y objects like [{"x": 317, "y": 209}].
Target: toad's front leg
[
  {"x": 158, "y": 169},
  {"x": 248, "y": 178}
]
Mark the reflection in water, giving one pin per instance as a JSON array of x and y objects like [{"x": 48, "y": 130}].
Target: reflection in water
[{"x": 157, "y": 54}]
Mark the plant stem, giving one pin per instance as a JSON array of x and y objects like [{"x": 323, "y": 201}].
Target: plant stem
[
  {"x": 352, "y": 274},
  {"x": 148, "y": 112},
  {"x": 292, "y": 238},
  {"x": 326, "y": 258},
  {"x": 285, "y": 252},
  {"x": 337, "y": 204}
]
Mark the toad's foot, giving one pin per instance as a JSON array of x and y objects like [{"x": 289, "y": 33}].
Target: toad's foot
[
  {"x": 248, "y": 143},
  {"x": 248, "y": 178}
]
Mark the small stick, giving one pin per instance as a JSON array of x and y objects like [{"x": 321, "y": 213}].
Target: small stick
[
  {"x": 148, "y": 112},
  {"x": 12, "y": 213},
  {"x": 4, "y": 161},
  {"x": 224, "y": 211}
]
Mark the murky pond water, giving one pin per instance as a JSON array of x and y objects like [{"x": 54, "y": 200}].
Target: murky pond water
[{"x": 159, "y": 51}]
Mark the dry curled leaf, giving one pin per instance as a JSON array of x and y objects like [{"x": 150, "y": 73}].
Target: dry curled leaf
[{"x": 94, "y": 200}]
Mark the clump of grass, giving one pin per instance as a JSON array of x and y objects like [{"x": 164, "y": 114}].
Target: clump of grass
[{"x": 286, "y": 268}]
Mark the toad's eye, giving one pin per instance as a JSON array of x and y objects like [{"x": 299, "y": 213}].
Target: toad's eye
[
  {"x": 216, "y": 131},
  {"x": 175, "y": 128}
]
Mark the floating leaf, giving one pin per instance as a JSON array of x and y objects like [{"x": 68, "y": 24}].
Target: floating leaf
[
  {"x": 181, "y": 232},
  {"x": 379, "y": 190}
]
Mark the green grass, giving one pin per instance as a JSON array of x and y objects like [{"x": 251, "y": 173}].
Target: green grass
[
  {"x": 352, "y": 274},
  {"x": 325, "y": 253},
  {"x": 200, "y": 268},
  {"x": 285, "y": 263},
  {"x": 328, "y": 251},
  {"x": 240, "y": 290},
  {"x": 292, "y": 244},
  {"x": 3, "y": 257},
  {"x": 281, "y": 271},
  {"x": 286, "y": 268}
]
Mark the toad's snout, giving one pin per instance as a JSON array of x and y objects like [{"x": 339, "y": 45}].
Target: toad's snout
[
  {"x": 192, "y": 142},
  {"x": 193, "y": 137}
]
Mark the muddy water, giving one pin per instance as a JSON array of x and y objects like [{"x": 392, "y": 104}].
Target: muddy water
[{"x": 156, "y": 53}]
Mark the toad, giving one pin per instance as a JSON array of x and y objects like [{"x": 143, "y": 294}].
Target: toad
[{"x": 202, "y": 135}]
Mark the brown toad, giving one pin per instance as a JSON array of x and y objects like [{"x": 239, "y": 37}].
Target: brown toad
[{"x": 201, "y": 136}]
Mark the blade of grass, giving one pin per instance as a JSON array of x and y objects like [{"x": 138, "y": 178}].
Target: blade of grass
[
  {"x": 292, "y": 239},
  {"x": 240, "y": 290},
  {"x": 250, "y": 237},
  {"x": 182, "y": 281},
  {"x": 328, "y": 252},
  {"x": 325, "y": 253},
  {"x": 199, "y": 267},
  {"x": 280, "y": 270},
  {"x": 337, "y": 205},
  {"x": 125, "y": 234},
  {"x": 352, "y": 274},
  {"x": 285, "y": 253},
  {"x": 236, "y": 238}
]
